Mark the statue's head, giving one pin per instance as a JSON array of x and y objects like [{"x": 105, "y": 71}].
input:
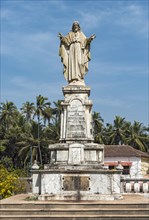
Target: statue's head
[{"x": 75, "y": 26}]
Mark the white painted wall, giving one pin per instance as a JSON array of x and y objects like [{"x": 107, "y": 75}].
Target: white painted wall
[{"x": 135, "y": 169}]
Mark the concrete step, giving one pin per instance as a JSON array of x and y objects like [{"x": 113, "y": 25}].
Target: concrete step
[
  {"x": 77, "y": 217},
  {"x": 80, "y": 212},
  {"x": 130, "y": 208},
  {"x": 79, "y": 205}
]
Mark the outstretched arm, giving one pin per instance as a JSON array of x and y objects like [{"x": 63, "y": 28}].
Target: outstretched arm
[
  {"x": 90, "y": 38},
  {"x": 93, "y": 36},
  {"x": 60, "y": 35}
]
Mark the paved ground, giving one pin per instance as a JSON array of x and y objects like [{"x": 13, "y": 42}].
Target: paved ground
[{"x": 127, "y": 198}]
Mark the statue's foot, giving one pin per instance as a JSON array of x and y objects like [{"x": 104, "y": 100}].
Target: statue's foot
[{"x": 77, "y": 82}]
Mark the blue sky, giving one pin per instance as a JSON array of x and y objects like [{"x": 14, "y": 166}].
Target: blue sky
[{"x": 118, "y": 71}]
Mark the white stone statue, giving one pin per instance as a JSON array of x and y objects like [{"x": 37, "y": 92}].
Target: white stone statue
[{"x": 75, "y": 53}]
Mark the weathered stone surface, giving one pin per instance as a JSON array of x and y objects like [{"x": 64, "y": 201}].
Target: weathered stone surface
[
  {"x": 76, "y": 120},
  {"x": 36, "y": 183},
  {"x": 50, "y": 183},
  {"x": 62, "y": 155},
  {"x": 76, "y": 153},
  {"x": 90, "y": 155},
  {"x": 87, "y": 184}
]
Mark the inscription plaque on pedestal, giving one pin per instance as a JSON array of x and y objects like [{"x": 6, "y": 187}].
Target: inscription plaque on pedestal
[
  {"x": 76, "y": 120},
  {"x": 72, "y": 183}
]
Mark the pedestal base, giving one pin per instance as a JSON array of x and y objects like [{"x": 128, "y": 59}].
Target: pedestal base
[
  {"x": 77, "y": 184},
  {"x": 79, "y": 196}
]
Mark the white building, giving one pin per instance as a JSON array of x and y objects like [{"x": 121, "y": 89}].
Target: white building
[{"x": 134, "y": 162}]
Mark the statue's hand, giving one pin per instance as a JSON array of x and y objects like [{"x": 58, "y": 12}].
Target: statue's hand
[
  {"x": 93, "y": 36},
  {"x": 60, "y": 35}
]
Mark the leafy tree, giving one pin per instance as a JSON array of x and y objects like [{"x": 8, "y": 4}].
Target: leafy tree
[
  {"x": 9, "y": 183},
  {"x": 26, "y": 134}
]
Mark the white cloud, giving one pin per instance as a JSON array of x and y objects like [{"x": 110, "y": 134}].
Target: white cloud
[
  {"x": 134, "y": 18},
  {"x": 130, "y": 17}
]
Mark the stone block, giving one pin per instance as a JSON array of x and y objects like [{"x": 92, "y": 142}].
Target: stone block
[
  {"x": 36, "y": 183},
  {"x": 90, "y": 156},
  {"x": 62, "y": 156},
  {"x": 76, "y": 153},
  {"x": 50, "y": 183}
]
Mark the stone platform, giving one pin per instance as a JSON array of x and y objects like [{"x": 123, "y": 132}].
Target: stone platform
[{"x": 131, "y": 207}]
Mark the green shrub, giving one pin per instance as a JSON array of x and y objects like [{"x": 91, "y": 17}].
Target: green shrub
[{"x": 9, "y": 183}]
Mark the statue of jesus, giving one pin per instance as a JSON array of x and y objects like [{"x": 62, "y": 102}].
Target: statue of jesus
[{"x": 75, "y": 53}]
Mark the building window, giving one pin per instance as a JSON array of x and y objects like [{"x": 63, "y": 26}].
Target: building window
[
  {"x": 126, "y": 170},
  {"x": 111, "y": 167}
]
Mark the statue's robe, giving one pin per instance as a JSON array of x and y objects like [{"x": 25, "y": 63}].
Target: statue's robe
[{"x": 75, "y": 55}]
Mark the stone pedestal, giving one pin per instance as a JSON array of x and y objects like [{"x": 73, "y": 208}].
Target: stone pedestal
[
  {"x": 76, "y": 145},
  {"x": 76, "y": 116},
  {"x": 76, "y": 170}
]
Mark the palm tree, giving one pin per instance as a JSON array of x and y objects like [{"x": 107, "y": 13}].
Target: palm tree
[
  {"x": 28, "y": 109},
  {"x": 8, "y": 112},
  {"x": 11, "y": 129},
  {"x": 137, "y": 136},
  {"x": 116, "y": 132},
  {"x": 29, "y": 143},
  {"x": 98, "y": 127},
  {"x": 12, "y": 136},
  {"x": 47, "y": 115},
  {"x": 57, "y": 110},
  {"x": 57, "y": 116},
  {"x": 41, "y": 106}
]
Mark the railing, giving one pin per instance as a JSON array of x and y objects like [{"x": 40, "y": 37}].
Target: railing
[{"x": 134, "y": 185}]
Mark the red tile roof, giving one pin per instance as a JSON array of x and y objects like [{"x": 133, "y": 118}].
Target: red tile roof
[
  {"x": 123, "y": 151},
  {"x": 115, "y": 163}
]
